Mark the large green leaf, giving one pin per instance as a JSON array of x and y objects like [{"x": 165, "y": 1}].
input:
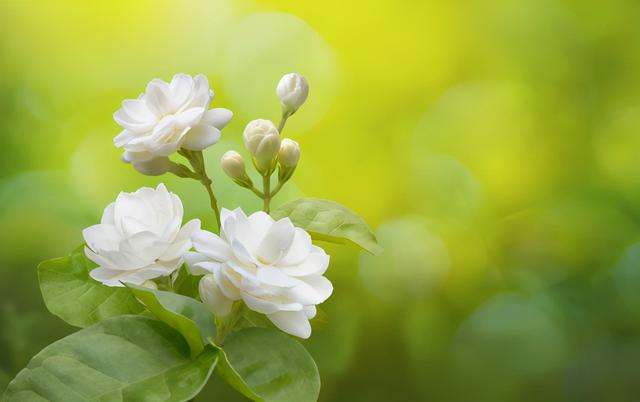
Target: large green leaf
[
  {"x": 267, "y": 365},
  {"x": 329, "y": 221},
  {"x": 190, "y": 317},
  {"x": 72, "y": 295},
  {"x": 126, "y": 358}
]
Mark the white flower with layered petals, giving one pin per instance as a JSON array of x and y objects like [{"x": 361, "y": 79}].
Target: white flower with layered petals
[
  {"x": 165, "y": 118},
  {"x": 139, "y": 237},
  {"x": 270, "y": 265}
]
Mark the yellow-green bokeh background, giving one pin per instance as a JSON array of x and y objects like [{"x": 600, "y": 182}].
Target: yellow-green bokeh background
[{"x": 493, "y": 144}]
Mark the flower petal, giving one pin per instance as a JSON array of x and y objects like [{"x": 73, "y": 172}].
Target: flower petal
[
  {"x": 260, "y": 305},
  {"x": 200, "y": 137},
  {"x": 321, "y": 285},
  {"x": 316, "y": 263},
  {"x": 300, "y": 248},
  {"x": 276, "y": 242},
  {"x": 217, "y": 118},
  {"x": 102, "y": 237},
  {"x": 181, "y": 86},
  {"x": 210, "y": 245},
  {"x": 137, "y": 109},
  {"x": 292, "y": 322},
  {"x": 211, "y": 295},
  {"x": 154, "y": 167},
  {"x": 158, "y": 97}
]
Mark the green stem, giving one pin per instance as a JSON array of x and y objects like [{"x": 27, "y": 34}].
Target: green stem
[
  {"x": 206, "y": 182},
  {"x": 266, "y": 190},
  {"x": 196, "y": 159},
  {"x": 277, "y": 189},
  {"x": 283, "y": 121},
  {"x": 226, "y": 324}
]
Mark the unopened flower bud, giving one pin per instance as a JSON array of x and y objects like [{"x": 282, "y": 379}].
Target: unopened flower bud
[
  {"x": 233, "y": 166},
  {"x": 292, "y": 90},
  {"x": 262, "y": 140},
  {"x": 289, "y": 153},
  {"x": 288, "y": 158}
]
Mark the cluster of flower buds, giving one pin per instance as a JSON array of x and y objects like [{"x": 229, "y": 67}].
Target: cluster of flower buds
[{"x": 263, "y": 140}]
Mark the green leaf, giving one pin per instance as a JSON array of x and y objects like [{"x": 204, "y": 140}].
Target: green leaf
[
  {"x": 186, "y": 284},
  {"x": 267, "y": 365},
  {"x": 126, "y": 358},
  {"x": 329, "y": 221},
  {"x": 72, "y": 295},
  {"x": 188, "y": 316}
]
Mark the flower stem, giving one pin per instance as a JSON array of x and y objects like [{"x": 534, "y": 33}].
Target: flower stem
[
  {"x": 212, "y": 199},
  {"x": 226, "y": 324},
  {"x": 266, "y": 190},
  {"x": 283, "y": 121},
  {"x": 196, "y": 159}
]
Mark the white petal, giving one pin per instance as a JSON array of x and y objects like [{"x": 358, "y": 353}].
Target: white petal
[
  {"x": 246, "y": 233},
  {"x": 315, "y": 264},
  {"x": 137, "y": 110},
  {"x": 276, "y": 242},
  {"x": 108, "y": 277},
  {"x": 259, "y": 305},
  {"x": 223, "y": 276},
  {"x": 292, "y": 322},
  {"x": 321, "y": 285},
  {"x": 241, "y": 253},
  {"x": 260, "y": 224},
  {"x": 310, "y": 311},
  {"x": 129, "y": 156},
  {"x": 205, "y": 267},
  {"x": 124, "y": 138},
  {"x": 188, "y": 230},
  {"x": 193, "y": 260},
  {"x": 212, "y": 296},
  {"x": 97, "y": 258},
  {"x": 210, "y": 245},
  {"x": 153, "y": 167},
  {"x": 145, "y": 246},
  {"x": 107, "y": 215},
  {"x": 218, "y": 117},
  {"x": 181, "y": 86},
  {"x": 300, "y": 249},
  {"x": 129, "y": 123},
  {"x": 189, "y": 118},
  {"x": 274, "y": 277},
  {"x": 201, "y": 94},
  {"x": 102, "y": 237},
  {"x": 200, "y": 137},
  {"x": 158, "y": 97}
]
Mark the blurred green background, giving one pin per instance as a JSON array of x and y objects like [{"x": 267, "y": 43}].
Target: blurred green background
[{"x": 493, "y": 145}]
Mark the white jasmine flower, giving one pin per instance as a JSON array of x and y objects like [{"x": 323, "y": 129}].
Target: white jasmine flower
[
  {"x": 165, "y": 118},
  {"x": 270, "y": 265},
  {"x": 292, "y": 90},
  {"x": 139, "y": 237}
]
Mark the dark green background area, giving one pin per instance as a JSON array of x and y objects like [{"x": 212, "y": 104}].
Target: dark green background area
[{"x": 493, "y": 145}]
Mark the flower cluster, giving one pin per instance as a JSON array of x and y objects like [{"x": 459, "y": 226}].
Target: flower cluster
[{"x": 269, "y": 265}]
